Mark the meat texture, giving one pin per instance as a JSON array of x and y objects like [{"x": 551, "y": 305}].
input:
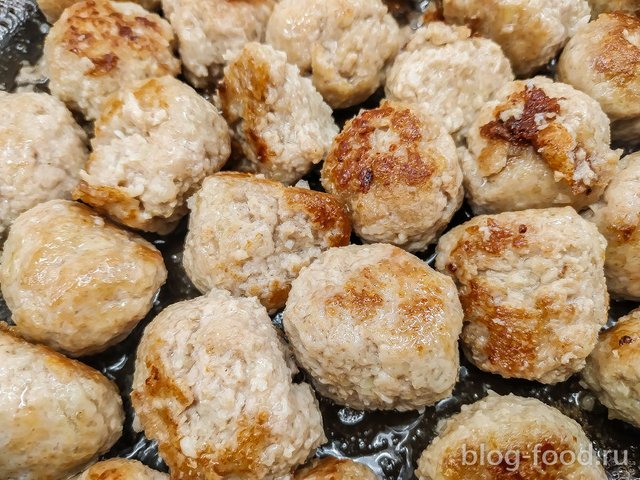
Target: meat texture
[
  {"x": 375, "y": 328},
  {"x": 252, "y": 236},
  {"x": 386, "y": 165},
  {"x": 154, "y": 144},
  {"x": 533, "y": 291},
  {"x": 213, "y": 386}
]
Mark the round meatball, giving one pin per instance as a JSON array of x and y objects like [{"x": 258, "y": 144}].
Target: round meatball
[
  {"x": 42, "y": 150},
  {"x": 376, "y": 328},
  {"x": 602, "y": 6},
  {"x": 52, "y": 9},
  {"x": 147, "y": 160},
  {"x": 538, "y": 144},
  {"x": 531, "y": 32},
  {"x": 603, "y": 61},
  {"x": 510, "y": 437},
  {"x": 613, "y": 369},
  {"x": 532, "y": 288},
  {"x": 57, "y": 414},
  {"x": 213, "y": 386},
  {"x": 386, "y": 164},
  {"x": 212, "y": 31},
  {"x": 279, "y": 121},
  {"x": 344, "y": 45},
  {"x": 617, "y": 216},
  {"x": 252, "y": 236},
  {"x": 330, "y": 468},
  {"x": 75, "y": 282},
  {"x": 99, "y": 47},
  {"x": 120, "y": 469},
  {"x": 448, "y": 74}
]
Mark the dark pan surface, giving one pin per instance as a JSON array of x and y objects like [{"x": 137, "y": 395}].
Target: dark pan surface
[{"x": 389, "y": 442}]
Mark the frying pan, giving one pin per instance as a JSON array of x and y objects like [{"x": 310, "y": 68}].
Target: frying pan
[{"x": 389, "y": 442}]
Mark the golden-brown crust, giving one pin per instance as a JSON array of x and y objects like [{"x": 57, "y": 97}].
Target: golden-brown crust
[
  {"x": 552, "y": 142},
  {"x": 353, "y": 165},
  {"x": 531, "y": 460},
  {"x": 331, "y": 468},
  {"x": 619, "y": 59},
  {"x": 100, "y": 33},
  {"x": 420, "y": 294},
  {"x": 624, "y": 338},
  {"x": 325, "y": 212},
  {"x": 246, "y": 83}
]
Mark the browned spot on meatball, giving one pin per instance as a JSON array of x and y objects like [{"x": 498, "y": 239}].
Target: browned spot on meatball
[
  {"x": 103, "y": 198},
  {"x": 622, "y": 232},
  {"x": 243, "y": 94},
  {"x": 514, "y": 334},
  {"x": 524, "y": 129},
  {"x": 493, "y": 238},
  {"x": 625, "y": 340},
  {"x": 619, "y": 59},
  {"x": 536, "y": 128},
  {"x": 95, "y": 30},
  {"x": 356, "y": 163},
  {"x": 325, "y": 212},
  {"x": 534, "y": 460},
  {"x": 253, "y": 437},
  {"x": 360, "y": 298}
]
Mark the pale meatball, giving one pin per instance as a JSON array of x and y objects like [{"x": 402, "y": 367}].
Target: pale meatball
[
  {"x": 613, "y": 369},
  {"x": 42, "y": 150},
  {"x": 344, "y": 45},
  {"x": 330, "y": 468},
  {"x": 147, "y": 160},
  {"x": 279, "y": 121},
  {"x": 603, "y": 61},
  {"x": 213, "y": 386},
  {"x": 510, "y": 437},
  {"x": 120, "y": 469},
  {"x": 538, "y": 144},
  {"x": 52, "y": 9},
  {"x": 532, "y": 288},
  {"x": 375, "y": 328},
  {"x": 448, "y": 74},
  {"x": 212, "y": 31},
  {"x": 387, "y": 164},
  {"x": 75, "y": 282},
  {"x": 531, "y": 32},
  {"x": 57, "y": 414},
  {"x": 99, "y": 47},
  {"x": 252, "y": 236},
  {"x": 603, "y": 6},
  {"x": 617, "y": 216}
]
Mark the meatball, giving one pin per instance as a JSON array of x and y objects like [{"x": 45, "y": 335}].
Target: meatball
[
  {"x": 280, "y": 123},
  {"x": 448, "y": 74},
  {"x": 99, "y": 47},
  {"x": 344, "y": 45},
  {"x": 57, "y": 414},
  {"x": 52, "y": 9},
  {"x": 538, "y": 144},
  {"x": 531, "y": 32},
  {"x": 252, "y": 236},
  {"x": 211, "y": 31},
  {"x": 120, "y": 469},
  {"x": 330, "y": 468},
  {"x": 376, "y": 328},
  {"x": 213, "y": 386},
  {"x": 510, "y": 437},
  {"x": 42, "y": 150},
  {"x": 75, "y": 282},
  {"x": 147, "y": 160},
  {"x": 613, "y": 369},
  {"x": 602, "y": 6},
  {"x": 603, "y": 61},
  {"x": 386, "y": 164},
  {"x": 617, "y": 216},
  {"x": 532, "y": 288}
]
